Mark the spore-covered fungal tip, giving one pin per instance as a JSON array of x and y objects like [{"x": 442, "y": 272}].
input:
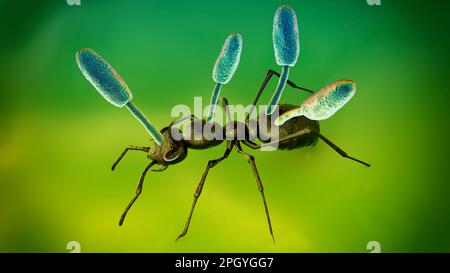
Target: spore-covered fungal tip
[
  {"x": 285, "y": 36},
  {"x": 322, "y": 104},
  {"x": 228, "y": 60},
  {"x": 103, "y": 77},
  {"x": 328, "y": 100},
  {"x": 112, "y": 87}
]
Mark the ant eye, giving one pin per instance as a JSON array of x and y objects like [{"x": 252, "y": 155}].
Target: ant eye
[{"x": 171, "y": 155}]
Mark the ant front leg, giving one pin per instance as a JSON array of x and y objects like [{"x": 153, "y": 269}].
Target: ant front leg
[
  {"x": 138, "y": 192},
  {"x": 199, "y": 189},
  {"x": 268, "y": 76},
  {"x": 132, "y": 148}
]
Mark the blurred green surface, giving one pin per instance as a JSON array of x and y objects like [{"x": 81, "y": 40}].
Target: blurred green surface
[{"x": 58, "y": 137}]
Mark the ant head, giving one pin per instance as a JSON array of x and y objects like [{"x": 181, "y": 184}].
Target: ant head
[{"x": 170, "y": 152}]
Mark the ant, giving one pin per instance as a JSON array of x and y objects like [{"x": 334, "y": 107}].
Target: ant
[
  {"x": 297, "y": 126},
  {"x": 295, "y": 133}
]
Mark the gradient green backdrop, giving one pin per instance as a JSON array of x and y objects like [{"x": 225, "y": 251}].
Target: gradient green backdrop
[{"x": 58, "y": 137}]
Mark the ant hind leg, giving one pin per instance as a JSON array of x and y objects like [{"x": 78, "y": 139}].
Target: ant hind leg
[{"x": 340, "y": 151}]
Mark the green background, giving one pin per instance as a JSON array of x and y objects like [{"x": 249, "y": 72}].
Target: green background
[{"x": 58, "y": 137}]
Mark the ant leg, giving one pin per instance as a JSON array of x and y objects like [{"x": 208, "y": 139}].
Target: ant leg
[
  {"x": 292, "y": 84},
  {"x": 163, "y": 168},
  {"x": 341, "y": 152},
  {"x": 251, "y": 160},
  {"x": 256, "y": 146},
  {"x": 251, "y": 144},
  {"x": 225, "y": 107},
  {"x": 138, "y": 192},
  {"x": 132, "y": 148},
  {"x": 268, "y": 76},
  {"x": 198, "y": 191},
  {"x": 191, "y": 117}
]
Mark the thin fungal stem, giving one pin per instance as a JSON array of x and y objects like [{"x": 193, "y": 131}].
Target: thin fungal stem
[
  {"x": 278, "y": 91},
  {"x": 137, "y": 113},
  {"x": 214, "y": 99}
]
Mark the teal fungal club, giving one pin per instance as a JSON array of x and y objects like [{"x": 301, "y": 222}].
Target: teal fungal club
[
  {"x": 112, "y": 87},
  {"x": 287, "y": 48},
  {"x": 103, "y": 77},
  {"x": 323, "y": 104},
  {"x": 225, "y": 66}
]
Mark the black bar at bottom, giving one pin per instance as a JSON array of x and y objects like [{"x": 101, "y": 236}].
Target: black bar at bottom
[{"x": 224, "y": 262}]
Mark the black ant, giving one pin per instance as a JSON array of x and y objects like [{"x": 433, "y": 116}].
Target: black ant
[
  {"x": 297, "y": 126},
  {"x": 295, "y": 133}
]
